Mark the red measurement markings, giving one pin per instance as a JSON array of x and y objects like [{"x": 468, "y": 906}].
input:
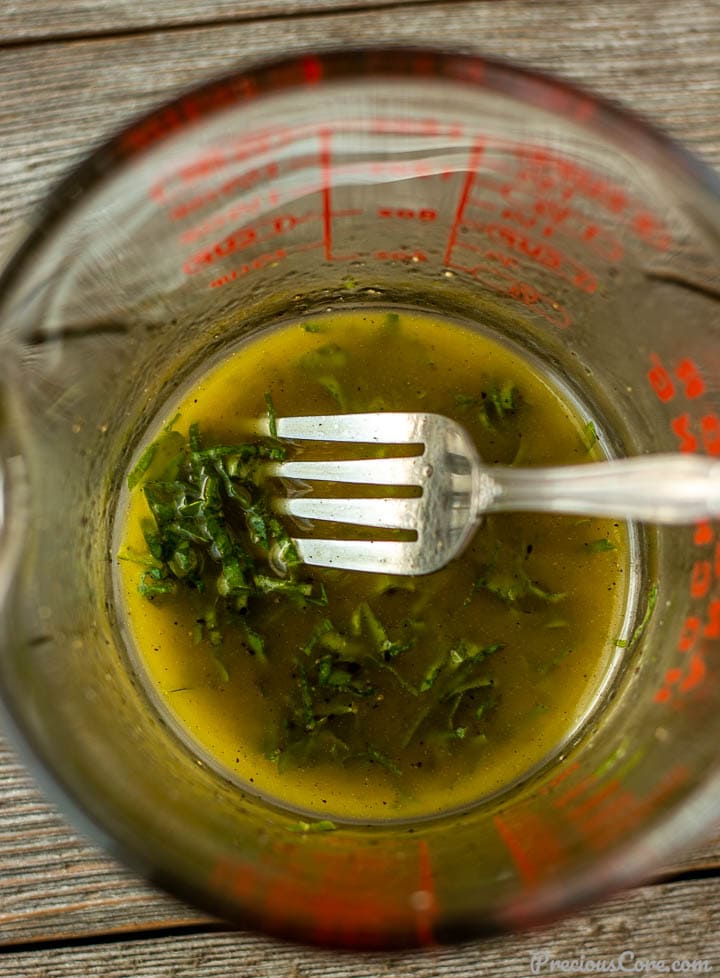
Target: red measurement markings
[
  {"x": 597, "y": 809},
  {"x": 262, "y": 261},
  {"x": 398, "y": 169},
  {"x": 408, "y": 213},
  {"x": 533, "y": 844},
  {"x": 538, "y": 252},
  {"x": 683, "y": 380},
  {"x": 694, "y": 433},
  {"x": 338, "y": 894},
  {"x": 521, "y": 205},
  {"x": 682, "y": 428},
  {"x": 493, "y": 270},
  {"x": 682, "y": 680},
  {"x": 186, "y": 110},
  {"x": 473, "y": 162},
  {"x": 623, "y": 811},
  {"x": 325, "y": 164},
  {"x": 251, "y": 236},
  {"x": 245, "y": 237},
  {"x": 241, "y": 181},
  {"x": 312, "y": 69},
  {"x": 567, "y": 178},
  {"x": 422, "y": 214},
  {"x": 412, "y": 127},
  {"x": 703, "y": 622},
  {"x": 490, "y": 256},
  {"x": 426, "y": 902},
  {"x": 213, "y": 162},
  {"x": 686, "y": 371},
  {"x": 272, "y": 138},
  {"x": 245, "y": 208},
  {"x": 602, "y": 809},
  {"x": 546, "y": 169},
  {"x": 495, "y": 273}
]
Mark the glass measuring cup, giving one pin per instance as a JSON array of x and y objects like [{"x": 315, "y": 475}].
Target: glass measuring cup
[{"x": 420, "y": 178}]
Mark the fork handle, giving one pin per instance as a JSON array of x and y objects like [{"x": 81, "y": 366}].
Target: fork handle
[{"x": 653, "y": 488}]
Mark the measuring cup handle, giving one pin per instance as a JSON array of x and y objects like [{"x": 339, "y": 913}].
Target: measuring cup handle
[{"x": 671, "y": 489}]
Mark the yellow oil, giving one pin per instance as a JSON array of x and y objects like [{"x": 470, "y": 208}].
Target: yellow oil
[{"x": 557, "y": 638}]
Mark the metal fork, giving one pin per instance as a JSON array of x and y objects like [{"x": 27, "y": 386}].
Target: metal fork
[{"x": 457, "y": 490}]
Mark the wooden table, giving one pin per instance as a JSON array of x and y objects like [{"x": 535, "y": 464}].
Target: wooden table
[{"x": 70, "y": 72}]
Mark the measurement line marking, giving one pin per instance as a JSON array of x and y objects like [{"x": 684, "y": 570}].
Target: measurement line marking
[
  {"x": 327, "y": 216},
  {"x": 473, "y": 160}
]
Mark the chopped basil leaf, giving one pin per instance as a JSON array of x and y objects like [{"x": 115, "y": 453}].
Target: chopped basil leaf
[
  {"x": 589, "y": 435},
  {"x": 600, "y": 546}
]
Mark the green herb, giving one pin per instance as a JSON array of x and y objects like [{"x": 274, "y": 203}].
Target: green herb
[
  {"x": 453, "y": 676},
  {"x": 315, "y": 328},
  {"x": 391, "y": 325},
  {"x": 377, "y": 757},
  {"x": 306, "y": 697},
  {"x": 223, "y": 674},
  {"x": 255, "y": 643},
  {"x": 141, "y": 467},
  {"x": 327, "y": 357},
  {"x": 272, "y": 415},
  {"x": 538, "y": 710},
  {"x": 504, "y": 399},
  {"x": 155, "y": 581},
  {"x": 493, "y": 405},
  {"x": 550, "y": 597},
  {"x": 211, "y": 530},
  {"x": 600, "y": 546},
  {"x": 335, "y": 391},
  {"x": 323, "y": 825},
  {"x": 465, "y": 400},
  {"x": 506, "y": 577},
  {"x": 636, "y": 635},
  {"x": 431, "y": 675},
  {"x": 365, "y": 619},
  {"x": 589, "y": 435},
  {"x": 322, "y": 628},
  {"x": 157, "y": 458},
  {"x": 547, "y": 667}
]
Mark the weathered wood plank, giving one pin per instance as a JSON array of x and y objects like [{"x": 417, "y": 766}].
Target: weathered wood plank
[
  {"x": 33, "y": 20},
  {"x": 662, "y": 65},
  {"x": 58, "y": 99},
  {"x": 54, "y": 885},
  {"x": 679, "y": 923}
]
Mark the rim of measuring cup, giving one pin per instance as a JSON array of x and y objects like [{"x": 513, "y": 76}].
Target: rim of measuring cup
[{"x": 311, "y": 69}]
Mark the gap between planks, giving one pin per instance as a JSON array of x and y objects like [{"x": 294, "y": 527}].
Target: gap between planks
[
  {"x": 651, "y": 924},
  {"x": 104, "y": 28}
]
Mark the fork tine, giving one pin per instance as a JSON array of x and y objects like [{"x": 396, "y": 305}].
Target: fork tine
[
  {"x": 400, "y": 514},
  {"x": 375, "y": 556},
  {"x": 408, "y": 471},
  {"x": 393, "y": 428}
]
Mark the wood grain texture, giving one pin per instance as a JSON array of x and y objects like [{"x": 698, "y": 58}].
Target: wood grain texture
[
  {"x": 54, "y": 885},
  {"x": 57, "y": 100},
  {"x": 25, "y": 21},
  {"x": 664, "y": 923}
]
